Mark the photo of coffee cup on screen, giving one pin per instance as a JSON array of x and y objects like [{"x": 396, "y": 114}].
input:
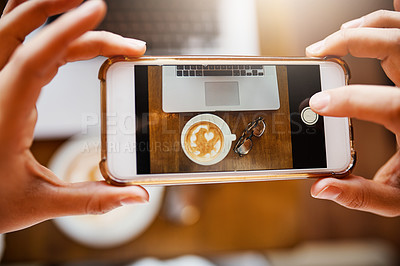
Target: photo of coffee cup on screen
[{"x": 206, "y": 139}]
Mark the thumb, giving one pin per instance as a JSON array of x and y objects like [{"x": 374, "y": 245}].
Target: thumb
[
  {"x": 358, "y": 193},
  {"x": 378, "y": 104},
  {"x": 96, "y": 198}
]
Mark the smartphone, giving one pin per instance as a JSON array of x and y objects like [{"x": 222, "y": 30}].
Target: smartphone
[{"x": 188, "y": 120}]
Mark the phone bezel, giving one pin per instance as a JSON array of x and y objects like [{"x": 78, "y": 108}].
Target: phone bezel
[{"x": 112, "y": 163}]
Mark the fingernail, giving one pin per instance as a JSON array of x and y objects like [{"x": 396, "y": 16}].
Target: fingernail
[
  {"x": 316, "y": 48},
  {"x": 91, "y": 4},
  {"x": 329, "y": 193},
  {"x": 356, "y": 23},
  {"x": 320, "y": 101},
  {"x": 136, "y": 43},
  {"x": 133, "y": 200}
]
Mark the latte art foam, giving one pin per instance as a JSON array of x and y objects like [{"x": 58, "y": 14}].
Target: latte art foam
[{"x": 204, "y": 141}]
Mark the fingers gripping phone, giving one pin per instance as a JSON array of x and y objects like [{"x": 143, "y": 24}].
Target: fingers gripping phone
[{"x": 197, "y": 120}]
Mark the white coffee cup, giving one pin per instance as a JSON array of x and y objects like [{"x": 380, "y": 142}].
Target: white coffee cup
[
  {"x": 211, "y": 125},
  {"x": 77, "y": 161}
]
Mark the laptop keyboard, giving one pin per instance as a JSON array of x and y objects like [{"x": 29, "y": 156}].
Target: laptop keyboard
[
  {"x": 219, "y": 70},
  {"x": 168, "y": 26}
]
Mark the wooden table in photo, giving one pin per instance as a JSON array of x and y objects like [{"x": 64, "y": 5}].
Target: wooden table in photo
[{"x": 272, "y": 150}]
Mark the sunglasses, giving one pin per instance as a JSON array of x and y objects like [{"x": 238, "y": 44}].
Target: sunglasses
[{"x": 254, "y": 129}]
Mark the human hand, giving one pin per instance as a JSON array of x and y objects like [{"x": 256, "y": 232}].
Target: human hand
[
  {"x": 374, "y": 36},
  {"x": 31, "y": 193}
]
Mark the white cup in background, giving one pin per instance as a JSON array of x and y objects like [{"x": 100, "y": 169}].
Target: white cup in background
[{"x": 77, "y": 161}]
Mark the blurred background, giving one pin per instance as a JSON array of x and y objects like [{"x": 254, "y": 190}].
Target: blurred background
[{"x": 263, "y": 223}]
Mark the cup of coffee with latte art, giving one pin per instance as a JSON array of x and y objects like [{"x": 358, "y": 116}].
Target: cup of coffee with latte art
[{"x": 206, "y": 139}]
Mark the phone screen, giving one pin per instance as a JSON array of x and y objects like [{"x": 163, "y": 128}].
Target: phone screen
[{"x": 196, "y": 118}]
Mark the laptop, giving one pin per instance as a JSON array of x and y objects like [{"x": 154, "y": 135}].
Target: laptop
[
  {"x": 211, "y": 88},
  {"x": 70, "y": 104}
]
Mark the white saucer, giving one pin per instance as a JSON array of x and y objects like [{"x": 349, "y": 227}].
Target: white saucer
[{"x": 100, "y": 231}]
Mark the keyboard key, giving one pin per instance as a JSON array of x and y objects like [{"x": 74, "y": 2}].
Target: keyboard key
[
  {"x": 243, "y": 72},
  {"x": 192, "y": 73},
  {"x": 217, "y": 73},
  {"x": 254, "y": 71},
  {"x": 179, "y": 67},
  {"x": 256, "y": 67},
  {"x": 236, "y": 72},
  {"x": 199, "y": 73},
  {"x": 179, "y": 73},
  {"x": 185, "y": 73}
]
